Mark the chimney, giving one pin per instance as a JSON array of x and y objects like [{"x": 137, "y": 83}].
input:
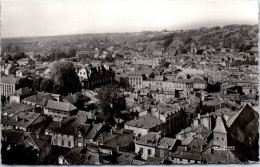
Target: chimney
[{"x": 17, "y": 119}]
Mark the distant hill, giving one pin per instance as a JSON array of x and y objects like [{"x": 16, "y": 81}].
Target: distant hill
[{"x": 238, "y": 37}]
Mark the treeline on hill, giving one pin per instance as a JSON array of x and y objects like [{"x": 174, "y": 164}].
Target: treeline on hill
[{"x": 238, "y": 37}]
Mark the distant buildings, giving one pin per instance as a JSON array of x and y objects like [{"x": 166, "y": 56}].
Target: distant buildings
[{"x": 99, "y": 75}]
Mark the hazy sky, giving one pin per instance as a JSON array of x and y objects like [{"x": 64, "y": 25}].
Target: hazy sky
[{"x": 57, "y": 17}]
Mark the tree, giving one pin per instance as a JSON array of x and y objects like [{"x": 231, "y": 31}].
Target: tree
[
  {"x": 111, "y": 101},
  {"x": 46, "y": 85},
  {"x": 24, "y": 82},
  {"x": 152, "y": 75},
  {"x": 20, "y": 155},
  {"x": 64, "y": 78},
  {"x": 36, "y": 84},
  {"x": 80, "y": 100}
]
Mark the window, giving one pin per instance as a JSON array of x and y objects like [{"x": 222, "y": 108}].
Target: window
[
  {"x": 222, "y": 138},
  {"x": 141, "y": 150},
  {"x": 180, "y": 159},
  {"x": 149, "y": 152}
]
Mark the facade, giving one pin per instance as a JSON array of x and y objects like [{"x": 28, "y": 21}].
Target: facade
[
  {"x": 8, "y": 85},
  {"x": 151, "y": 61},
  {"x": 59, "y": 110},
  {"x": 92, "y": 77}
]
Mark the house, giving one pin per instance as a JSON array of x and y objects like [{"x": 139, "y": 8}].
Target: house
[
  {"x": 25, "y": 121},
  {"x": 64, "y": 132},
  {"x": 40, "y": 143},
  {"x": 8, "y": 69},
  {"x": 59, "y": 110},
  {"x": 143, "y": 125},
  {"x": 23, "y": 73},
  {"x": 8, "y": 85},
  {"x": 184, "y": 157},
  {"x": 152, "y": 145},
  {"x": 118, "y": 140},
  {"x": 93, "y": 76},
  {"x": 25, "y": 61},
  {"x": 20, "y": 94},
  {"x": 39, "y": 100},
  {"x": 80, "y": 156}
]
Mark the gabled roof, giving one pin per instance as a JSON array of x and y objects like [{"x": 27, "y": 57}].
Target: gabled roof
[{"x": 62, "y": 106}]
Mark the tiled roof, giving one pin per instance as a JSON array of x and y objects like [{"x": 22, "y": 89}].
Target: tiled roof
[
  {"x": 62, "y": 106},
  {"x": 145, "y": 122}
]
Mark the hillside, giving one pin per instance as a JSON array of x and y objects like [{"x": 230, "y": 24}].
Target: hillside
[{"x": 238, "y": 37}]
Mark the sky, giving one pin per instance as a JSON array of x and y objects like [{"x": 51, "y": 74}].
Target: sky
[{"x": 58, "y": 17}]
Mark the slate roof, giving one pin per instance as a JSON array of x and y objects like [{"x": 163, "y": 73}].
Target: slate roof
[
  {"x": 21, "y": 119},
  {"x": 145, "y": 122},
  {"x": 12, "y": 136},
  {"x": 39, "y": 98},
  {"x": 94, "y": 131},
  {"x": 67, "y": 126},
  {"x": 62, "y": 106}
]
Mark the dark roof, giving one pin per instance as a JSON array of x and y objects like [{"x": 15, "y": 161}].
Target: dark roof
[
  {"x": 243, "y": 132},
  {"x": 94, "y": 131},
  {"x": 12, "y": 136},
  {"x": 82, "y": 156},
  {"x": 21, "y": 119},
  {"x": 67, "y": 126}
]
